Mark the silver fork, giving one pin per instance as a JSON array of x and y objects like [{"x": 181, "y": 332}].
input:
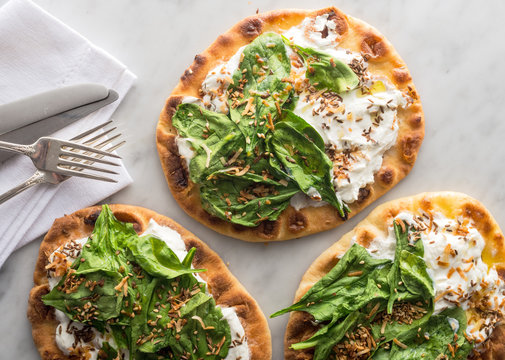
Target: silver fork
[{"x": 65, "y": 158}]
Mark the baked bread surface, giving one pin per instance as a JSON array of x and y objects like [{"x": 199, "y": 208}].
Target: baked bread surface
[
  {"x": 375, "y": 225},
  {"x": 355, "y": 35},
  {"x": 224, "y": 287}
]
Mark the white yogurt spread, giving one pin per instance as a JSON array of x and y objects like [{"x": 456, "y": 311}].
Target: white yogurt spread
[
  {"x": 452, "y": 252},
  {"x": 310, "y": 33},
  {"x": 64, "y": 332},
  {"x": 358, "y": 127},
  {"x": 215, "y": 84}
]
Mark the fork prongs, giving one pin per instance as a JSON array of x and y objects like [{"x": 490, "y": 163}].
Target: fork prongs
[
  {"x": 91, "y": 131},
  {"x": 67, "y": 145},
  {"x": 82, "y": 166},
  {"x": 70, "y": 172},
  {"x": 76, "y": 158}
]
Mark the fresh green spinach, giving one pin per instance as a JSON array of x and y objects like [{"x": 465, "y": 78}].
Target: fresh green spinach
[
  {"x": 363, "y": 291},
  {"x": 305, "y": 163},
  {"x": 246, "y": 200},
  {"x": 260, "y": 87},
  {"x": 137, "y": 288},
  {"x": 441, "y": 338},
  {"x": 260, "y": 145},
  {"x": 325, "y": 71}
]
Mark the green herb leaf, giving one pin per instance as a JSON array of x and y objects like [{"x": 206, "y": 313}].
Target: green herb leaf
[
  {"x": 347, "y": 287},
  {"x": 408, "y": 278},
  {"x": 328, "y": 336},
  {"x": 325, "y": 71},
  {"x": 136, "y": 287},
  {"x": 213, "y": 137},
  {"x": 303, "y": 127},
  {"x": 441, "y": 335},
  {"x": 155, "y": 257},
  {"x": 305, "y": 163},
  {"x": 259, "y": 88},
  {"x": 246, "y": 200}
]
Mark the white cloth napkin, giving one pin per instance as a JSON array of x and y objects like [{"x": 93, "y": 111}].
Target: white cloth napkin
[{"x": 38, "y": 53}]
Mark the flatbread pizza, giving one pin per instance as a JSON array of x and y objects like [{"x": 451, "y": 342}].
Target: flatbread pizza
[
  {"x": 123, "y": 282},
  {"x": 289, "y": 123},
  {"x": 420, "y": 278}
]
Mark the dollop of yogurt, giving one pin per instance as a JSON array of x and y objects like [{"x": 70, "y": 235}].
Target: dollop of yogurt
[
  {"x": 358, "y": 126},
  {"x": 453, "y": 256}
]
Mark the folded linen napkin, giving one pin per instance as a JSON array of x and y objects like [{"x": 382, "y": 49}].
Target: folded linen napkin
[{"x": 38, "y": 53}]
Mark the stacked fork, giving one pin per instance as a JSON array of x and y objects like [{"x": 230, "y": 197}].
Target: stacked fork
[{"x": 57, "y": 160}]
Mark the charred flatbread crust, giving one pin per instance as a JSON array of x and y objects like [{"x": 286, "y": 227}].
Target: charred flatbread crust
[
  {"x": 356, "y": 36},
  {"x": 225, "y": 288},
  {"x": 450, "y": 204}
]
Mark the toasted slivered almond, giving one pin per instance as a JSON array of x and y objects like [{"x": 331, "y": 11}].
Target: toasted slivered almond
[
  {"x": 235, "y": 156},
  {"x": 122, "y": 283},
  {"x": 402, "y": 225},
  {"x": 244, "y": 170},
  {"x": 199, "y": 319},
  {"x": 208, "y": 151},
  {"x": 355, "y": 273},
  {"x": 461, "y": 273},
  {"x": 400, "y": 344},
  {"x": 220, "y": 345},
  {"x": 441, "y": 295},
  {"x": 248, "y": 106},
  {"x": 374, "y": 310},
  {"x": 278, "y": 107},
  {"x": 270, "y": 123},
  {"x": 383, "y": 327}
]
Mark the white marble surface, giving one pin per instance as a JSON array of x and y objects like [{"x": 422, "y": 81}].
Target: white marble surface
[{"x": 455, "y": 52}]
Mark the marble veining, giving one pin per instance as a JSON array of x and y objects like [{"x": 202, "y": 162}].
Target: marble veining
[{"x": 453, "y": 51}]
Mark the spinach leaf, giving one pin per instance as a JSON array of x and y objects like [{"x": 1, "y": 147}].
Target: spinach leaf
[
  {"x": 325, "y": 71},
  {"x": 71, "y": 293},
  {"x": 442, "y": 337},
  {"x": 181, "y": 339},
  {"x": 408, "y": 278},
  {"x": 349, "y": 285},
  {"x": 139, "y": 290},
  {"x": 363, "y": 290},
  {"x": 402, "y": 331},
  {"x": 247, "y": 199},
  {"x": 328, "y": 336},
  {"x": 107, "y": 236},
  {"x": 210, "y": 159},
  {"x": 155, "y": 257},
  {"x": 414, "y": 275},
  {"x": 201, "y": 125},
  {"x": 213, "y": 136},
  {"x": 259, "y": 88},
  {"x": 303, "y": 127},
  {"x": 306, "y": 164}
]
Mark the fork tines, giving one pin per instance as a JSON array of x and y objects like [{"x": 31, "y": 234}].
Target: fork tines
[{"x": 92, "y": 146}]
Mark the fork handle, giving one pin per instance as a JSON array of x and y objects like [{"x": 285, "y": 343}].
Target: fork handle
[
  {"x": 37, "y": 178},
  {"x": 19, "y": 148}
]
